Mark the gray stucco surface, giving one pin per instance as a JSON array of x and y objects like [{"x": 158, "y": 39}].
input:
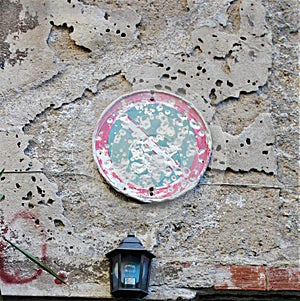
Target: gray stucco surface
[{"x": 63, "y": 62}]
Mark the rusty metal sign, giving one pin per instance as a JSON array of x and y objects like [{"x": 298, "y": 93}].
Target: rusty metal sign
[{"x": 151, "y": 145}]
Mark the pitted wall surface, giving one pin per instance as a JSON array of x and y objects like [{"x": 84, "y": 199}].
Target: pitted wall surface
[{"x": 63, "y": 62}]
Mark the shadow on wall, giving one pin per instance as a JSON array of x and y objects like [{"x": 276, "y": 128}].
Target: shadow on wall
[
  {"x": 239, "y": 295},
  {"x": 203, "y": 295}
]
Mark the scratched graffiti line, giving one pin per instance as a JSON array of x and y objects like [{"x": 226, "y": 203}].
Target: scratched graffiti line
[
  {"x": 36, "y": 261},
  {"x": 14, "y": 278},
  {"x": 10, "y": 276}
]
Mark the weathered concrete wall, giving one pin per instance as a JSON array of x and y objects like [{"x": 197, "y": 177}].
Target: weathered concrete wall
[{"x": 62, "y": 62}]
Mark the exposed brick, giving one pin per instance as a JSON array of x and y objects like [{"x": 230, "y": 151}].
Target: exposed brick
[
  {"x": 240, "y": 278},
  {"x": 283, "y": 278}
]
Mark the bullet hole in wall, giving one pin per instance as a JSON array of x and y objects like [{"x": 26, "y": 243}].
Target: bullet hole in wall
[
  {"x": 50, "y": 201},
  {"x": 219, "y": 83},
  {"x": 28, "y": 196},
  {"x": 58, "y": 223},
  {"x": 229, "y": 84},
  {"x": 212, "y": 94}
]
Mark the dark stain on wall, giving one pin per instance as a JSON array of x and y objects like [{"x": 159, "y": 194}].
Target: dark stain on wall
[{"x": 10, "y": 23}]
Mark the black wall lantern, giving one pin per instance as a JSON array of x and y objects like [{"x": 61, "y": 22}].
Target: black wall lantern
[{"x": 130, "y": 268}]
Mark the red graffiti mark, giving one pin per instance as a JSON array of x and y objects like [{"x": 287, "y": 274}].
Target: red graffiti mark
[
  {"x": 10, "y": 276},
  {"x": 62, "y": 275}
]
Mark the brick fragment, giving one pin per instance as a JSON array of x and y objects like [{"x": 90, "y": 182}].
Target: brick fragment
[
  {"x": 283, "y": 278},
  {"x": 240, "y": 278}
]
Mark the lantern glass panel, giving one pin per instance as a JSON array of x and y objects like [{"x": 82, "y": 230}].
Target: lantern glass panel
[
  {"x": 115, "y": 272},
  {"x": 130, "y": 271},
  {"x": 145, "y": 275}
]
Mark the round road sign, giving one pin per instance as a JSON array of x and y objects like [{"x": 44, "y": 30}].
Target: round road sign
[{"x": 151, "y": 145}]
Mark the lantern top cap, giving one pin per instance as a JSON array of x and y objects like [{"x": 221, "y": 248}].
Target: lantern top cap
[
  {"x": 131, "y": 234},
  {"x": 130, "y": 243}
]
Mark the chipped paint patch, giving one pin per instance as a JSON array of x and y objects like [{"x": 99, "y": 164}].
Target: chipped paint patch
[
  {"x": 252, "y": 149},
  {"x": 235, "y": 200}
]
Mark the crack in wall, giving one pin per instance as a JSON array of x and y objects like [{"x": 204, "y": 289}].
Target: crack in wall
[{"x": 60, "y": 106}]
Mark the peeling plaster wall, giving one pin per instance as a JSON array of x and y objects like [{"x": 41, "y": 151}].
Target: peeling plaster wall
[{"x": 62, "y": 62}]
